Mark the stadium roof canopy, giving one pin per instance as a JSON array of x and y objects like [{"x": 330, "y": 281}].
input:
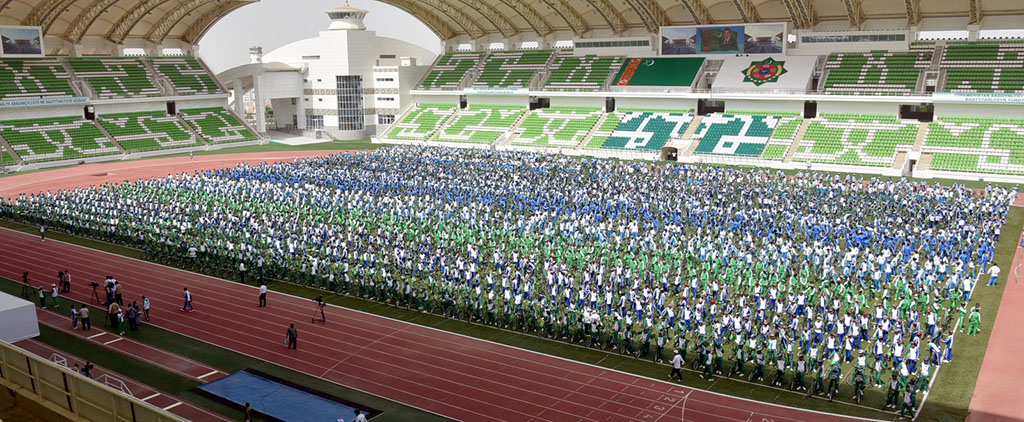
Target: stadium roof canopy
[{"x": 121, "y": 22}]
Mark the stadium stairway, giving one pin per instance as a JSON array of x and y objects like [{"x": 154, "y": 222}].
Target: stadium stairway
[
  {"x": 447, "y": 121},
  {"x": 595, "y": 129},
  {"x": 796, "y": 141},
  {"x": 688, "y": 135},
  {"x": 165, "y": 87},
  {"x": 7, "y": 148},
  {"x": 199, "y": 138},
  {"x": 111, "y": 138},
  {"x": 510, "y": 134},
  {"x": 922, "y": 135}
]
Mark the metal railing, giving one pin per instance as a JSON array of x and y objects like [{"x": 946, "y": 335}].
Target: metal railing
[{"x": 69, "y": 394}]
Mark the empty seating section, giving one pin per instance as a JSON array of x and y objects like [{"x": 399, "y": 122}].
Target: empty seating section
[
  {"x": 782, "y": 138},
  {"x": 976, "y": 144},
  {"x": 736, "y": 134},
  {"x": 562, "y": 126},
  {"x": 856, "y": 139},
  {"x": 450, "y": 70},
  {"x": 33, "y": 78},
  {"x": 512, "y": 69},
  {"x": 875, "y": 73},
  {"x": 188, "y": 76},
  {"x": 117, "y": 77},
  {"x": 55, "y": 138},
  {"x": 984, "y": 66},
  {"x": 422, "y": 122},
  {"x": 146, "y": 131},
  {"x": 581, "y": 73},
  {"x": 642, "y": 129},
  {"x": 481, "y": 123},
  {"x": 217, "y": 125}
]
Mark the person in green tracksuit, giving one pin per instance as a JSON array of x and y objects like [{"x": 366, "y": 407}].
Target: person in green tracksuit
[
  {"x": 893, "y": 394},
  {"x": 909, "y": 399},
  {"x": 975, "y": 320},
  {"x": 833, "y": 384},
  {"x": 708, "y": 360}
]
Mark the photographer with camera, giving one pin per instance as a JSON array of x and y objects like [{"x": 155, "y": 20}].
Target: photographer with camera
[{"x": 319, "y": 307}]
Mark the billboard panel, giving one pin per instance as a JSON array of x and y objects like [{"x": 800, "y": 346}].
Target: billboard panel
[
  {"x": 723, "y": 39},
  {"x": 21, "y": 41}
]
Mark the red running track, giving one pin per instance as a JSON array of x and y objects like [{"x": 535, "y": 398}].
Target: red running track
[{"x": 448, "y": 374}]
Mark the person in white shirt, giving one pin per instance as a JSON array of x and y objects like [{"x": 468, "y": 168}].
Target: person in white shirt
[
  {"x": 145, "y": 307},
  {"x": 677, "y": 364},
  {"x": 263, "y": 295},
  {"x": 242, "y": 270},
  {"x": 994, "y": 272}
]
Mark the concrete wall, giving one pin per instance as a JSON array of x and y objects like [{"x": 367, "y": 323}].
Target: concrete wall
[
  {"x": 756, "y": 105},
  {"x": 858, "y": 107}
]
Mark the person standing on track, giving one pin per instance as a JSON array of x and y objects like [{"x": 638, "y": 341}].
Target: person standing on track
[
  {"x": 55, "y": 296},
  {"x": 677, "y": 365},
  {"x": 66, "y": 282},
  {"x": 84, "y": 315},
  {"x": 112, "y": 314},
  {"x": 263, "y": 295},
  {"x": 292, "y": 337},
  {"x": 242, "y": 270},
  {"x": 74, "y": 317},
  {"x": 42, "y": 232},
  {"x": 42, "y": 297},
  {"x": 188, "y": 302},
  {"x": 145, "y": 307},
  {"x": 117, "y": 293}
]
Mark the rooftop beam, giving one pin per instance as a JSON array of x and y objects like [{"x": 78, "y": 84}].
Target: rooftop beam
[
  {"x": 81, "y": 24},
  {"x": 534, "y": 19},
  {"x": 806, "y": 11},
  {"x": 497, "y": 20},
  {"x": 974, "y": 11},
  {"x": 854, "y": 12},
  {"x": 747, "y": 11},
  {"x": 437, "y": 24},
  {"x": 163, "y": 27},
  {"x": 471, "y": 26},
  {"x": 698, "y": 11},
  {"x": 651, "y": 13},
  {"x": 913, "y": 12},
  {"x": 198, "y": 28},
  {"x": 610, "y": 15},
  {"x": 119, "y": 31},
  {"x": 569, "y": 15}
]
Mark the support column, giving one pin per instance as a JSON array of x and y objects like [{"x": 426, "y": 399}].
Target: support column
[
  {"x": 300, "y": 114},
  {"x": 261, "y": 108},
  {"x": 236, "y": 86}
]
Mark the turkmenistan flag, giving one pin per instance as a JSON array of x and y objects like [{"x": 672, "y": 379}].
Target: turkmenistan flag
[{"x": 659, "y": 71}]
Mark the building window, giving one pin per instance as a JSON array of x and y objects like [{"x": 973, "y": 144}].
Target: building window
[
  {"x": 385, "y": 119},
  {"x": 388, "y": 56},
  {"x": 350, "y": 102},
  {"x": 385, "y": 79},
  {"x": 385, "y": 98},
  {"x": 314, "y": 121},
  {"x": 310, "y": 57}
]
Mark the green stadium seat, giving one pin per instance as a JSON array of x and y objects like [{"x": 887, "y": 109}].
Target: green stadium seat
[
  {"x": 450, "y": 69},
  {"x": 976, "y": 144},
  {"x": 512, "y": 69},
  {"x": 217, "y": 125},
  {"x": 983, "y": 67},
  {"x": 562, "y": 126},
  {"x": 856, "y": 139},
  {"x": 740, "y": 133},
  {"x": 481, "y": 124},
  {"x": 186, "y": 74},
  {"x": 875, "y": 73},
  {"x": 114, "y": 77},
  {"x": 33, "y": 78},
  {"x": 581, "y": 73},
  {"x": 56, "y": 138},
  {"x": 422, "y": 122},
  {"x": 147, "y": 131},
  {"x": 640, "y": 129}
]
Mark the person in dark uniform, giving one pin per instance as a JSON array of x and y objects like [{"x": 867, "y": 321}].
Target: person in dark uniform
[{"x": 293, "y": 337}]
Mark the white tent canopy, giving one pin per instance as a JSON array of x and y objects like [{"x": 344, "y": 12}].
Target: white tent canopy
[{"x": 17, "y": 319}]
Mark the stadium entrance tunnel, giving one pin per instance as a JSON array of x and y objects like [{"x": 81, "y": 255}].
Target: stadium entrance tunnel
[{"x": 669, "y": 154}]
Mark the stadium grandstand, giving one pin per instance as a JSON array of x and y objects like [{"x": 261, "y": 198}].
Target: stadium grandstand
[{"x": 644, "y": 210}]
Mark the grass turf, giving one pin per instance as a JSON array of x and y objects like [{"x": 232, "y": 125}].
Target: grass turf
[{"x": 209, "y": 354}]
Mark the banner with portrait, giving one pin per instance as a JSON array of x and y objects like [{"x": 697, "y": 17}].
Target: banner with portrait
[{"x": 767, "y": 38}]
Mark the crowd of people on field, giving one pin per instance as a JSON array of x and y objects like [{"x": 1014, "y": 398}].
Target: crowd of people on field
[{"x": 803, "y": 281}]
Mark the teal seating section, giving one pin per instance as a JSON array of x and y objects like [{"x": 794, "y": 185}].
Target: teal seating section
[
  {"x": 56, "y": 138},
  {"x": 875, "y": 73},
  {"x": 581, "y": 73},
  {"x": 561, "y": 126},
  {"x": 147, "y": 131},
  {"x": 976, "y": 144},
  {"x": 217, "y": 125},
  {"x": 422, "y": 122},
  {"x": 114, "y": 77},
  {"x": 481, "y": 124},
  {"x": 187, "y": 74},
  {"x": 735, "y": 134},
  {"x": 33, "y": 78},
  {"x": 640, "y": 129},
  {"x": 512, "y": 69},
  {"x": 856, "y": 139},
  {"x": 450, "y": 70},
  {"x": 983, "y": 66},
  {"x": 782, "y": 138}
]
